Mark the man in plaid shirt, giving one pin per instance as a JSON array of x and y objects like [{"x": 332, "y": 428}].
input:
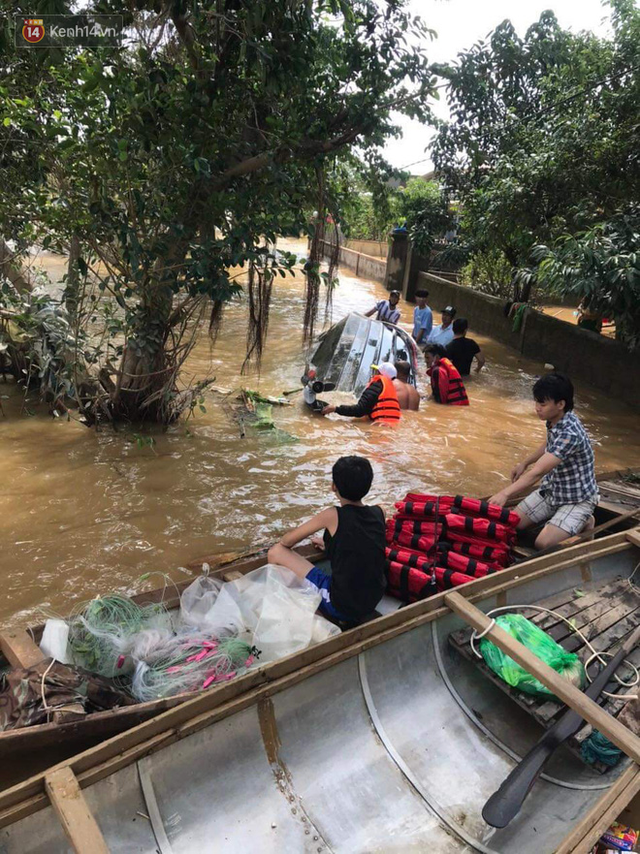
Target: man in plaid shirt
[{"x": 568, "y": 492}]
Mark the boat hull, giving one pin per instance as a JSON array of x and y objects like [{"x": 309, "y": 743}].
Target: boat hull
[{"x": 394, "y": 749}]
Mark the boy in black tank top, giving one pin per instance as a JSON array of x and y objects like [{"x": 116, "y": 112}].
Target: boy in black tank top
[{"x": 354, "y": 539}]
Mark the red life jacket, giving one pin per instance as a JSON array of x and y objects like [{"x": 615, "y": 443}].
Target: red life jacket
[
  {"x": 448, "y": 578},
  {"x": 482, "y": 528},
  {"x": 421, "y": 509},
  {"x": 412, "y": 526},
  {"x": 387, "y": 407},
  {"x": 407, "y": 557},
  {"x": 444, "y": 501},
  {"x": 483, "y": 549},
  {"x": 461, "y": 563},
  {"x": 449, "y": 388},
  {"x": 408, "y": 584},
  {"x": 419, "y": 543},
  {"x": 475, "y": 507}
]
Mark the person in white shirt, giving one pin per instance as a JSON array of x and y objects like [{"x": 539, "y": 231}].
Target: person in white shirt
[
  {"x": 387, "y": 310},
  {"x": 442, "y": 333}
]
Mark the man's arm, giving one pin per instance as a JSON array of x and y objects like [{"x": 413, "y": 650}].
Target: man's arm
[
  {"x": 374, "y": 309},
  {"x": 519, "y": 468},
  {"x": 480, "y": 358},
  {"x": 326, "y": 519},
  {"x": 529, "y": 478},
  {"x": 364, "y": 406}
]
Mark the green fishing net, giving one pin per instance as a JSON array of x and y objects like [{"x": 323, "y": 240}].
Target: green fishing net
[{"x": 566, "y": 664}]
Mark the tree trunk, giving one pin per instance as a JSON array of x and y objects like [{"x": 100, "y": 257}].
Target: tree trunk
[
  {"x": 73, "y": 277},
  {"x": 12, "y": 270}
]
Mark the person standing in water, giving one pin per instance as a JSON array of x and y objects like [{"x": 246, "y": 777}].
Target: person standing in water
[
  {"x": 446, "y": 382},
  {"x": 408, "y": 396},
  {"x": 442, "y": 333},
  {"x": 354, "y": 539},
  {"x": 379, "y": 400},
  {"x": 387, "y": 309},
  {"x": 568, "y": 493},
  {"x": 463, "y": 350},
  {"x": 422, "y": 318}
]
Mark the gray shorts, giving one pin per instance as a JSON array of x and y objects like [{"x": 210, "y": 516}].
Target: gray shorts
[{"x": 571, "y": 518}]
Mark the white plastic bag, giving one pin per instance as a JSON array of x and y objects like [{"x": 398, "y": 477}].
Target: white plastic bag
[
  {"x": 198, "y": 599},
  {"x": 54, "y": 640}
]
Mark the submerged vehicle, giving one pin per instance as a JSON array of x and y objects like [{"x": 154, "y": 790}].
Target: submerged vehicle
[
  {"x": 343, "y": 357},
  {"x": 385, "y": 738}
]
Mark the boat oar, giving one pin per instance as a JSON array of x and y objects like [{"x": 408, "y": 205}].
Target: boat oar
[{"x": 505, "y": 804}]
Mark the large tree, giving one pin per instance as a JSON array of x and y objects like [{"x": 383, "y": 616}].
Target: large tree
[
  {"x": 161, "y": 165},
  {"x": 544, "y": 136}
]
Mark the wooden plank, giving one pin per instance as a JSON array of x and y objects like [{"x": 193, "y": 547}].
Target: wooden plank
[
  {"x": 19, "y": 648},
  {"x": 583, "y": 837},
  {"x": 572, "y": 696},
  {"x": 593, "y": 630},
  {"x": 24, "y": 797},
  {"x": 76, "y": 818},
  {"x": 634, "y": 537}
]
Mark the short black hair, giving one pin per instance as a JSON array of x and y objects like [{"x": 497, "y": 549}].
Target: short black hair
[
  {"x": 459, "y": 325},
  {"x": 435, "y": 350},
  {"x": 556, "y": 387},
  {"x": 353, "y": 477},
  {"x": 403, "y": 368},
  {"x": 421, "y": 293}
]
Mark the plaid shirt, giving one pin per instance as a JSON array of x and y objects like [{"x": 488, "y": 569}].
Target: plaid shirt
[{"x": 574, "y": 480}]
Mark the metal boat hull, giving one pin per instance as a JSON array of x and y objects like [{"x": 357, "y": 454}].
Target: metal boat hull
[{"x": 395, "y": 750}]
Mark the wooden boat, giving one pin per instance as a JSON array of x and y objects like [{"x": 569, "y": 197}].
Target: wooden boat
[
  {"x": 384, "y": 738},
  {"x": 31, "y": 748}
]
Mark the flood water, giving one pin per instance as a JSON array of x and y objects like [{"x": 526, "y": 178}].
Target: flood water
[{"x": 85, "y": 512}]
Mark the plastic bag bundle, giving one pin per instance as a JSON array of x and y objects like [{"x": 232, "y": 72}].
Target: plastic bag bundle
[
  {"x": 198, "y": 599},
  {"x": 190, "y": 664},
  {"x": 102, "y": 632},
  {"x": 566, "y": 664}
]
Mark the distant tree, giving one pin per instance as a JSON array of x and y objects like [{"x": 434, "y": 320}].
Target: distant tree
[
  {"x": 544, "y": 135},
  {"x": 423, "y": 208}
]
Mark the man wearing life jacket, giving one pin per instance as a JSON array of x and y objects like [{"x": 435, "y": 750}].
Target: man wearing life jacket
[
  {"x": 446, "y": 382},
  {"x": 379, "y": 400}
]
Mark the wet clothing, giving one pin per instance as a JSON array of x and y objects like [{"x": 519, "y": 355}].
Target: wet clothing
[
  {"x": 571, "y": 518},
  {"x": 461, "y": 352},
  {"x": 446, "y": 384},
  {"x": 574, "y": 480},
  {"x": 385, "y": 311},
  {"x": 441, "y": 335},
  {"x": 357, "y": 555},
  {"x": 422, "y": 319},
  {"x": 379, "y": 401}
]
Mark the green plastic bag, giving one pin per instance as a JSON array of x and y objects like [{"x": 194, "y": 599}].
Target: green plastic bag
[{"x": 566, "y": 664}]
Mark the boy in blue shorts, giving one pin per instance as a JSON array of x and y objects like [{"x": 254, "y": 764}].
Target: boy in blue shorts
[{"x": 354, "y": 539}]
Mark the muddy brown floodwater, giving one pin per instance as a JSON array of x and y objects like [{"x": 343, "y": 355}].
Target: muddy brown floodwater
[{"x": 83, "y": 512}]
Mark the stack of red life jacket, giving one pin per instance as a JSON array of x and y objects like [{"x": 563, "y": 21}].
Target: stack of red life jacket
[{"x": 438, "y": 542}]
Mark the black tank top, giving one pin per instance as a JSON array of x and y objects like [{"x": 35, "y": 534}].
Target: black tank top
[{"x": 357, "y": 556}]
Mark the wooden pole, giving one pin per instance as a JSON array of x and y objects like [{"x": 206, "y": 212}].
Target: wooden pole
[
  {"x": 76, "y": 818},
  {"x": 565, "y": 691}
]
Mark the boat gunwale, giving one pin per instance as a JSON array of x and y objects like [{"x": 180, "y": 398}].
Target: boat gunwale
[{"x": 100, "y": 761}]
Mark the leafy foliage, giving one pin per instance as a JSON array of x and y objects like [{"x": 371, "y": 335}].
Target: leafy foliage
[
  {"x": 601, "y": 266},
  {"x": 544, "y": 136},
  {"x": 186, "y": 153},
  {"x": 425, "y": 211}
]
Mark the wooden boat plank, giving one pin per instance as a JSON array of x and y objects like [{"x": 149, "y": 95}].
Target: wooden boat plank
[
  {"x": 581, "y": 839},
  {"x": 576, "y": 603},
  {"x": 19, "y": 648},
  {"x": 593, "y": 630},
  {"x": 611, "y": 608},
  {"x": 634, "y": 537},
  {"x": 77, "y": 820}
]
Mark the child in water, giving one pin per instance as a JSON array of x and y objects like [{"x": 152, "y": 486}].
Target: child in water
[{"x": 354, "y": 539}]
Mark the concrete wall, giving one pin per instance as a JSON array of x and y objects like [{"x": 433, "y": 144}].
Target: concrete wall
[
  {"x": 602, "y": 362},
  {"x": 369, "y": 247},
  {"x": 362, "y": 265}
]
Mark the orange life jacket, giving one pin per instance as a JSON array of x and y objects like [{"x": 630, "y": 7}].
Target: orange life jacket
[
  {"x": 387, "y": 407},
  {"x": 451, "y": 390}
]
